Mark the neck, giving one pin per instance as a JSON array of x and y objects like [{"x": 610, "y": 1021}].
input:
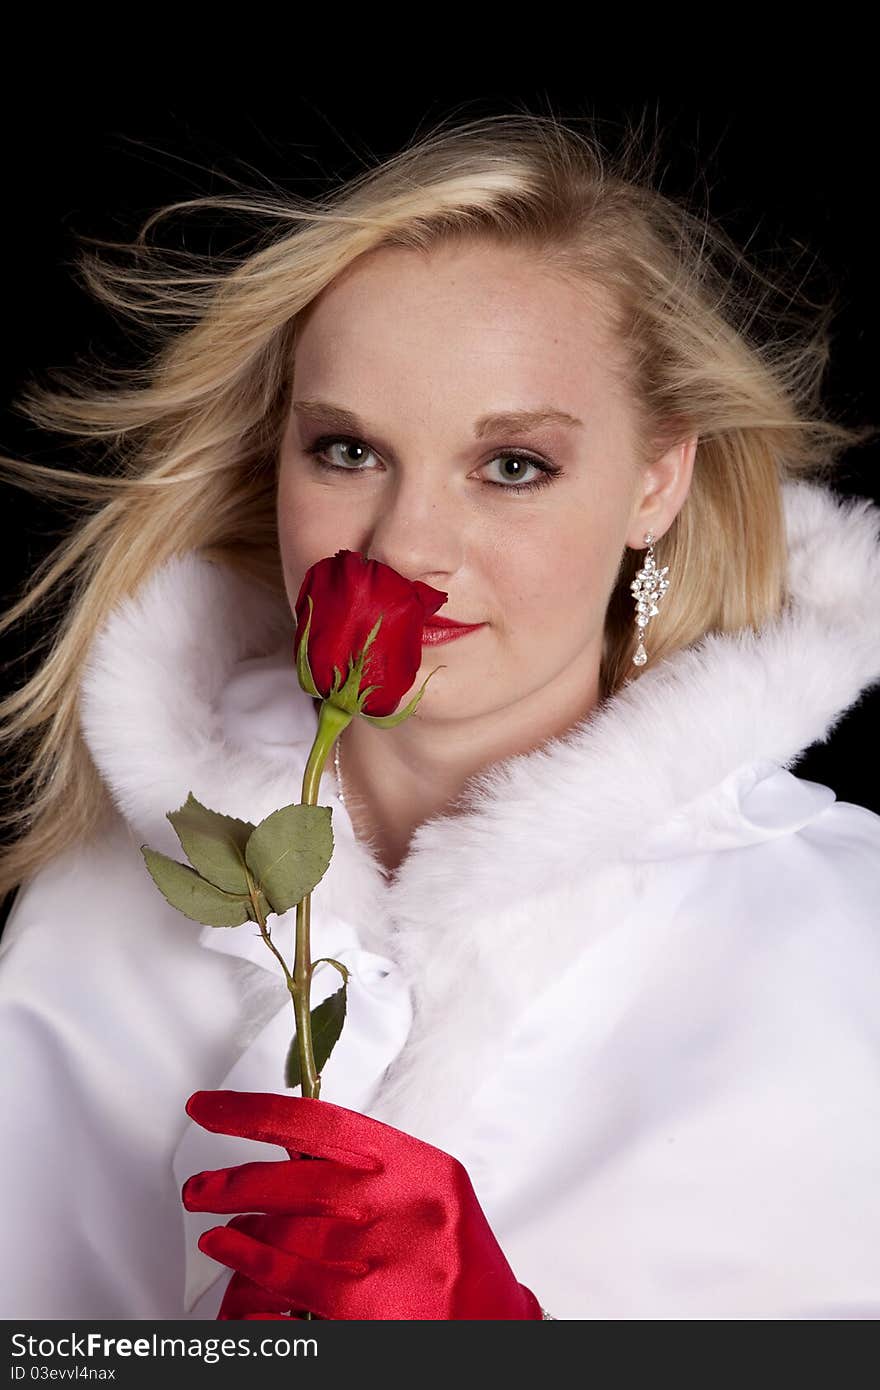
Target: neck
[{"x": 393, "y": 780}]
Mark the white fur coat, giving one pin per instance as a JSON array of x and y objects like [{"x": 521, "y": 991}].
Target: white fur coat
[{"x": 612, "y": 951}]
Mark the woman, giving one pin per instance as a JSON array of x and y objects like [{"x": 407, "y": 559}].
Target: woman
[{"x": 611, "y": 1044}]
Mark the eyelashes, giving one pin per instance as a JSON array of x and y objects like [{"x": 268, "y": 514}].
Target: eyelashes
[{"x": 548, "y": 471}]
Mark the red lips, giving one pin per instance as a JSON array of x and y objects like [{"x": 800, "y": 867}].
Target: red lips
[{"x": 441, "y": 623}]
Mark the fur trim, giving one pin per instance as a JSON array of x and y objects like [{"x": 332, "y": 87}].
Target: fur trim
[{"x": 636, "y": 780}]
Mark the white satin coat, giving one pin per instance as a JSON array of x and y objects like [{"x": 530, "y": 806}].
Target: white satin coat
[{"x": 633, "y": 988}]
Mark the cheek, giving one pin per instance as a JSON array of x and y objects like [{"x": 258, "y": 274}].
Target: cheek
[
  {"x": 310, "y": 526},
  {"x": 550, "y": 579}
]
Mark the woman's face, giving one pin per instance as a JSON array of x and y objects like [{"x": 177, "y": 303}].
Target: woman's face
[{"x": 419, "y": 349}]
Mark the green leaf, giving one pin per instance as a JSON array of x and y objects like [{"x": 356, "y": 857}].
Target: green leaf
[
  {"x": 213, "y": 843},
  {"x": 289, "y": 852},
  {"x": 390, "y": 721},
  {"x": 327, "y": 1020},
  {"x": 192, "y": 895},
  {"x": 303, "y": 669}
]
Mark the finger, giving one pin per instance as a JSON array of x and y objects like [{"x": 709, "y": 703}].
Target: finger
[
  {"x": 299, "y": 1282},
  {"x": 310, "y": 1238},
  {"x": 314, "y": 1238},
  {"x": 305, "y": 1188},
  {"x": 315, "y": 1127},
  {"x": 243, "y": 1298},
  {"x": 252, "y": 1317}
]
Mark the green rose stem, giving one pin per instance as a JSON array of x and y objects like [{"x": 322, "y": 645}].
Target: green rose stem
[
  {"x": 331, "y": 722},
  {"x": 345, "y": 701}
]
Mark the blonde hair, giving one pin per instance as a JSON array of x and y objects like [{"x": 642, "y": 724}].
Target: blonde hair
[{"x": 190, "y": 438}]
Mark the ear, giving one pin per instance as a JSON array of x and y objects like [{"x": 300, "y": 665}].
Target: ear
[{"x": 661, "y": 492}]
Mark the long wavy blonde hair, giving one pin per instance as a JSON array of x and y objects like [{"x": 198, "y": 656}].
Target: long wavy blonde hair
[{"x": 714, "y": 347}]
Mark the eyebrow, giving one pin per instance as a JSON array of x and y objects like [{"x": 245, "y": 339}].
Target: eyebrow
[{"x": 337, "y": 417}]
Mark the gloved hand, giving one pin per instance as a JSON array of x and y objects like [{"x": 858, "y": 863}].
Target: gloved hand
[{"x": 379, "y": 1225}]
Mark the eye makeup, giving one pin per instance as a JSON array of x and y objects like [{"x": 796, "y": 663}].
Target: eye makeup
[{"x": 548, "y": 471}]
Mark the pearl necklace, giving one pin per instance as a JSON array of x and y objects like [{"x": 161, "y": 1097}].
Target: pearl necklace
[
  {"x": 338, "y": 772},
  {"x": 386, "y": 873}
]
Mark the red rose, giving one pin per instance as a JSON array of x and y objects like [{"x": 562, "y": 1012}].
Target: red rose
[{"x": 349, "y": 594}]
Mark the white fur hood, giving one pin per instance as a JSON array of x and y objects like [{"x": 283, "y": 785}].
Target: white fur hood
[
  {"x": 191, "y": 686},
  {"x": 199, "y": 644}
]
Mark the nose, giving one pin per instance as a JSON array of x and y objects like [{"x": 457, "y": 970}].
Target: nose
[{"x": 417, "y": 527}]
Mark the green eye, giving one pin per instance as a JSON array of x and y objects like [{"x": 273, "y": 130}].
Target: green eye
[{"x": 320, "y": 448}]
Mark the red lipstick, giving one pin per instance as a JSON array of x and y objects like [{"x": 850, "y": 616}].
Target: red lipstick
[{"x": 436, "y": 630}]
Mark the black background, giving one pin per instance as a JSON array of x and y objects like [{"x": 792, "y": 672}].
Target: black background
[{"x": 778, "y": 170}]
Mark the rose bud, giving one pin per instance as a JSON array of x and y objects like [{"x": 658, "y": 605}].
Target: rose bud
[{"x": 362, "y": 617}]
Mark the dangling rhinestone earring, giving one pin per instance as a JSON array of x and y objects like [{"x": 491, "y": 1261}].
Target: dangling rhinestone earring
[{"x": 647, "y": 589}]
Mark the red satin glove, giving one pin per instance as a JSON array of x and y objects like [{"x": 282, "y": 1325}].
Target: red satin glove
[{"x": 382, "y": 1225}]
